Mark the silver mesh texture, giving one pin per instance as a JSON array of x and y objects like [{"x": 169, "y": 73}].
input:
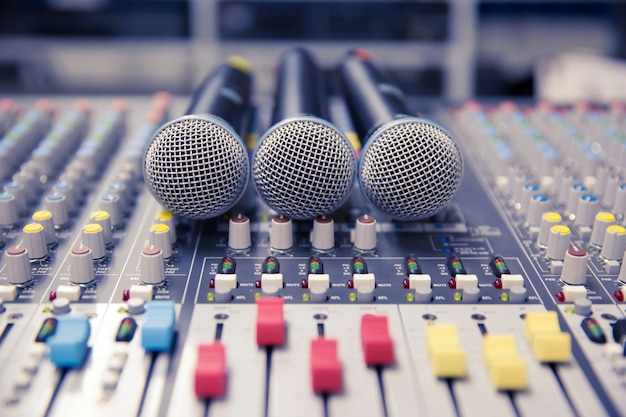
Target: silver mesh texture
[
  {"x": 304, "y": 167},
  {"x": 196, "y": 166},
  {"x": 410, "y": 169}
]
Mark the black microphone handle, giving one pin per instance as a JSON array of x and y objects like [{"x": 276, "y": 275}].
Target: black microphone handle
[
  {"x": 224, "y": 93},
  {"x": 299, "y": 87},
  {"x": 372, "y": 98}
]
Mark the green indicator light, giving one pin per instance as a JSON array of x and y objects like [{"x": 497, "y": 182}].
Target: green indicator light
[
  {"x": 359, "y": 266},
  {"x": 270, "y": 265},
  {"x": 227, "y": 266},
  {"x": 411, "y": 266}
]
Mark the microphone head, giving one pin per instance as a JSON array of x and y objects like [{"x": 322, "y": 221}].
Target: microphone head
[
  {"x": 410, "y": 168},
  {"x": 304, "y": 167},
  {"x": 196, "y": 166}
]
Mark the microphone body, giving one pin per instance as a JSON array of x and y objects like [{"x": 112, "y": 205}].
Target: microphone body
[
  {"x": 197, "y": 165},
  {"x": 410, "y": 167},
  {"x": 303, "y": 166}
]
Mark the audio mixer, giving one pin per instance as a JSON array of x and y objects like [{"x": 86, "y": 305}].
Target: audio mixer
[{"x": 508, "y": 302}]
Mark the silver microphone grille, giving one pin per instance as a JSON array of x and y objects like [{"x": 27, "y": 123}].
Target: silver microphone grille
[
  {"x": 304, "y": 167},
  {"x": 410, "y": 169},
  {"x": 196, "y": 166}
]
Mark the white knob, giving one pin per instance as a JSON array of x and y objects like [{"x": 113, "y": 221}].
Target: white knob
[
  {"x": 152, "y": 268},
  {"x": 239, "y": 232},
  {"x": 57, "y": 205},
  {"x": 548, "y": 220},
  {"x": 61, "y": 305},
  {"x": 575, "y": 266},
  {"x": 44, "y": 217},
  {"x": 365, "y": 233},
  {"x": 281, "y": 237},
  {"x": 8, "y": 210},
  {"x": 135, "y": 305},
  {"x": 166, "y": 217},
  {"x": 81, "y": 265},
  {"x": 603, "y": 220},
  {"x": 558, "y": 242},
  {"x": 18, "y": 265},
  {"x": 103, "y": 219},
  {"x": 588, "y": 207},
  {"x": 160, "y": 237},
  {"x": 614, "y": 243},
  {"x": 539, "y": 204},
  {"x": 323, "y": 233},
  {"x": 35, "y": 241},
  {"x": 93, "y": 238}
]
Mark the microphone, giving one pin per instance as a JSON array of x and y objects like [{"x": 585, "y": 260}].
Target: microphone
[
  {"x": 197, "y": 165},
  {"x": 303, "y": 166},
  {"x": 410, "y": 167}
]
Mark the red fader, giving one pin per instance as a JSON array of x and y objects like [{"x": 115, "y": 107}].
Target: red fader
[
  {"x": 325, "y": 366},
  {"x": 210, "y": 375},
  {"x": 377, "y": 345},
  {"x": 270, "y": 322}
]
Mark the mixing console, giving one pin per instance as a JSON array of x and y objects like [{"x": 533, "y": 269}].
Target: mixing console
[{"x": 509, "y": 302}]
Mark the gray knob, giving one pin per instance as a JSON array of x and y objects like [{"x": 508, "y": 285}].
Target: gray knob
[
  {"x": 44, "y": 218},
  {"x": 281, "y": 237},
  {"x": 365, "y": 233},
  {"x": 558, "y": 242},
  {"x": 517, "y": 294},
  {"x": 166, "y": 217},
  {"x": 423, "y": 295},
  {"x": 239, "y": 232},
  {"x": 575, "y": 266},
  {"x": 548, "y": 220},
  {"x": 81, "y": 265},
  {"x": 103, "y": 219},
  {"x": 93, "y": 238},
  {"x": 471, "y": 294},
  {"x": 539, "y": 204},
  {"x": 135, "y": 305},
  {"x": 8, "y": 210},
  {"x": 152, "y": 268},
  {"x": 61, "y": 305},
  {"x": 160, "y": 237},
  {"x": 614, "y": 243},
  {"x": 602, "y": 221},
  {"x": 112, "y": 205},
  {"x": 57, "y": 205},
  {"x": 588, "y": 207},
  {"x": 35, "y": 241},
  {"x": 18, "y": 265},
  {"x": 582, "y": 306},
  {"x": 323, "y": 233}
]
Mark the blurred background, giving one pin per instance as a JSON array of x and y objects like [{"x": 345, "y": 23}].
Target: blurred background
[{"x": 449, "y": 49}]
